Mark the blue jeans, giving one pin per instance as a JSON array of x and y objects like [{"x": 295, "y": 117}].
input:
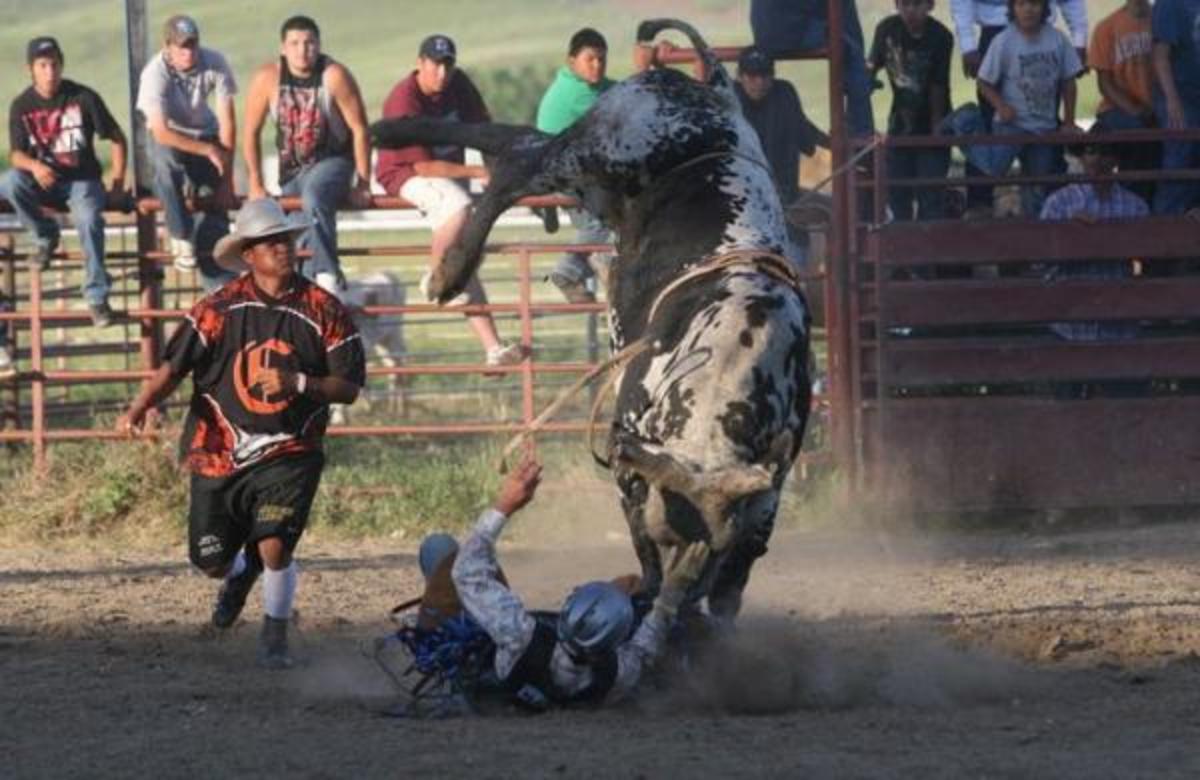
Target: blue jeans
[
  {"x": 1176, "y": 197},
  {"x": 590, "y": 230},
  {"x": 780, "y": 25},
  {"x": 322, "y": 187},
  {"x": 1036, "y": 160},
  {"x": 172, "y": 170},
  {"x": 85, "y": 199},
  {"x": 919, "y": 164}
]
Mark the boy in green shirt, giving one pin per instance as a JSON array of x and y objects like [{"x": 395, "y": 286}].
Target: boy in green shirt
[{"x": 576, "y": 87}]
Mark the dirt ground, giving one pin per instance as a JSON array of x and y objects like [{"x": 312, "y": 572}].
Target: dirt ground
[{"x": 1071, "y": 654}]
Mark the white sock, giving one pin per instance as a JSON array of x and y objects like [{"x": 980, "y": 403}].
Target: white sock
[
  {"x": 238, "y": 566},
  {"x": 279, "y": 590}
]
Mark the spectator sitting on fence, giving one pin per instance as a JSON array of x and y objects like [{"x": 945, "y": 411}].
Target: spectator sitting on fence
[
  {"x": 430, "y": 177},
  {"x": 8, "y": 366},
  {"x": 1121, "y": 55},
  {"x": 991, "y": 17},
  {"x": 1098, "y": 200},
  {"x": 1029, "y": 70},
  {"x": 268, "y": 353},
  {"x": 321, "y": 138},
  {"x": 1175, "y": 26},
  {"x": 575, "y": 88},
  {"x": 192, "y": 147},
  {"x": 773, "y": 109},
  {"x": 915, "y": 49},
  {"x": 592, "y": 654},
  {"x": 785, "y": 25},
  {"x": 51, "y": 127}
]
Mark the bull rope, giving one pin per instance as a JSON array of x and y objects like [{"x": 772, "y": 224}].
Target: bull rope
[{"x": 772, "y": 264}]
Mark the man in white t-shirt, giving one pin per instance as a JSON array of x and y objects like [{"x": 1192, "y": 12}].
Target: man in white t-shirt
[{"x": 192, "y": 147}]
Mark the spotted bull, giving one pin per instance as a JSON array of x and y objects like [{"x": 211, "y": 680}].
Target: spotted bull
[{"x": 710, "y": 416}]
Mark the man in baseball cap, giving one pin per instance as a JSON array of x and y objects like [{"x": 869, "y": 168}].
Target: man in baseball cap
[
  {"x": 54, "y": 164},
  {"x": 192, "y": 149},
  {"x": 430, "y": 177}
]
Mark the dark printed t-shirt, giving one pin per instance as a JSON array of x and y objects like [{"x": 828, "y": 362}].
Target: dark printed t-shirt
[
  {"x": 784, "y": 132},
  {"x": 227, "y": 339},
  {"x": 915, "y": 68},
  {"x": 460, "y": 101},
  {"x": 60, "y": 131}
]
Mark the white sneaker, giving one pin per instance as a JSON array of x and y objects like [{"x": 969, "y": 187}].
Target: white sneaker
[
  {"x": 329, "y": 283},
  {"x": 185, "y": 254},
  {"x": 426, "y": 278},
  {"x": 7, "y": 367},
  {"x": 505, "y": 355}
]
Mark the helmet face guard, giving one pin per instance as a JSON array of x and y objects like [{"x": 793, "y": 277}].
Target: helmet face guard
[{"x": 595, "y": 618}]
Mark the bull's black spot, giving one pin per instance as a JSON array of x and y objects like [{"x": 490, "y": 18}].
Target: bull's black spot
[
  {"x": 745, "y": 339},
  {"x": 672, "y": 413},
  {"x": 759, "y": 309}
]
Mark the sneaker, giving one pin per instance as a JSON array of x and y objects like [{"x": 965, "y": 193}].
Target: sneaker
[
  {"x": 505, "y": 355},
  {"x": 574, "y": 291},
  {"x": 185, "y": 254},
  {"x": 427, "y": 278},
  {"x": 332, "y": 283},
  {"x": 8, "y": 368},
  {"x": 273, "y": 644},
  {"x": 44, "y": 254},
  {"x": 102, "y": 314},
  {"x": 232, "y": 596}
]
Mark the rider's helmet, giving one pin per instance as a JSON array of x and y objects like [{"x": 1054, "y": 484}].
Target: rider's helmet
[
  {"x": 596, "y": 617},
  {"x": 434, "y": 549}
]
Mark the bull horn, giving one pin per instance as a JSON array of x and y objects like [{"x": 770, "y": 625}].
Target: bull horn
[{"x": 649, "y": 28}]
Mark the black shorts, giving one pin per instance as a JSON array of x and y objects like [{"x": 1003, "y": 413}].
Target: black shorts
[{"x": 269, "y": 499}]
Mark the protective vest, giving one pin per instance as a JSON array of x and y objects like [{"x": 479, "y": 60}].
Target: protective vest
[{"x": 532, "y": 684}]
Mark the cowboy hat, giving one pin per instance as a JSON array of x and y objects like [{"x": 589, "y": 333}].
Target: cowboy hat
[{"x": 258, "y": 218}]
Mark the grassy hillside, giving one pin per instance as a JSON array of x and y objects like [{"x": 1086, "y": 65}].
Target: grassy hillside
[{"x": 379, "y": 42}]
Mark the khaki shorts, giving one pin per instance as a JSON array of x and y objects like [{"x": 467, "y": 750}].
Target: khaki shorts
[{"x": 438, "y": 199}]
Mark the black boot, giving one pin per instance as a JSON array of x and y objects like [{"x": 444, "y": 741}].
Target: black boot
[
  {"x": 273, "y": 644},
  {"x": 232, "y": 595}
]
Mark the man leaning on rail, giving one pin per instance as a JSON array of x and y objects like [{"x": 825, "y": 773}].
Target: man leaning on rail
[
  {"x": 192, "y": 147},
  {"x": 320, "y": 135}
]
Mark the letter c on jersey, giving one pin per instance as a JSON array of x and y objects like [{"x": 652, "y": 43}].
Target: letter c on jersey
[{"x": 247, "y": 371}]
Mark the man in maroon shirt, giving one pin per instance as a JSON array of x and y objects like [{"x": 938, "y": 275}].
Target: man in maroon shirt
[{"x": 432, "y": 177}]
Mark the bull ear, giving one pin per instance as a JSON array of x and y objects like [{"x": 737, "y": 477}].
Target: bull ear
[{"x": 487, "y": 137}]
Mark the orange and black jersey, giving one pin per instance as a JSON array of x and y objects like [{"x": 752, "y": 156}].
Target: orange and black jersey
[{"x": 229, "y": 337}]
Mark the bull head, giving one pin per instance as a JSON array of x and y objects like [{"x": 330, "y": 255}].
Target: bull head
[
  {"x": 513, "y": 155},
  {"x": 712, "y": 493}
]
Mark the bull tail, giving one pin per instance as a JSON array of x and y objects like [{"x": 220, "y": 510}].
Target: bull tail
[{"x": 488, "y": 137}]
